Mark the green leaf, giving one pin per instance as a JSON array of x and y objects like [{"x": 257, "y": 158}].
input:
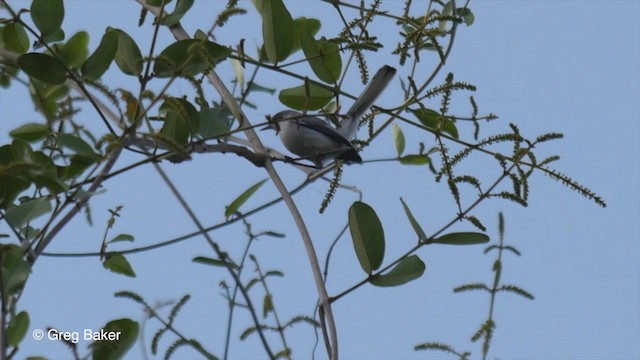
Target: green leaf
[
  {"x": 267, "y": 305},
  {"x": 128, "y": 56},
  {"x": 47, "y": 15},
  {"x": 240, "y": 200},
  {"x": 76, "y": 50},
  {"x": 433, "y": 120},
  {"x": 52, "y": 183},
  {"x": 158, "y": 3},
  {"x": 209, "y": 261},
  {"x": 98, "y": 63},
  {"x": 46, "y": 98},
  {"x": 415, "y": 159},
  {"x": 15, "y": 178},
  {"x": 447, "y": 10},
  {"x": 299, "y": 24},
  {"x": 77, "y": 166},
  {"x": 43, "y": 67},
  {"x": 185, "y": 111},
  {"x": 416, "y": 226},
  {"x": 21, "y": 151},
  {"x": 111, "y": 348},
  {"x": 30, "y": 132},
  {"x": 408, "y": 269},
  {"x": 259, "y": 88},
  {"x": 118, "y": 264},
  {"x": 175, "y": 128},
  {"x": 312, "y": 26},
  {"x": 214, "y": 122},
  {"x": 22, "y": 214},
  {"x": 181, "y": 120},
  {"x": 277, "y": 26},
  {"x": 78, "y": 146},
  {"x": 15, "y": 270},
  {"x": 15, "y": 37},
  {"x": 311, "y": 97},
  {"x": 58, "y": 35},
  {"x": 238, "y": 70},
  {"x": 17, "y": 329},
  {"x": 462, "y": 238},
  {"x": 122, "y": 237},
  {"x": 398, "y": 138},
  {"x": 189, "y": 57},
  {"x": 182, "y": 6},
  {"x": 467, "y": 16},
  {"x": 323, "y": 57},
  {"x": 367, "y": 235},
  {"x": 10, "y": 187}
]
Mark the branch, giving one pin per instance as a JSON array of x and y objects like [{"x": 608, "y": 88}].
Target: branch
[
  {"x": 112, "y": 157},
  {"x": 180, "y": 34}
]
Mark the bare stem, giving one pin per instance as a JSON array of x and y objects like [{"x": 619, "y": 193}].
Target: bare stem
[{"x": 180, "y": 34}]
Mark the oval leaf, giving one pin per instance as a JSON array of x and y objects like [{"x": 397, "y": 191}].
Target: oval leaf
[
  {"x": 303, "y": 97},
  {"x": 367, "y": 235},
  {"x": 30, "y": 132},
  {"x": 55, "y": 37},
  {"x": 323, "y": 56},
  {"x": 181, "y": 120},
  {"x": 175, "y": 128},
  {"x": 189, "y": 57},
  {"x": 98, "y": 63},
  {"x": 16, "y": 38},
  {"x": 47, "y": 15},
  {"x": 20, "y": 215},
  {"x": 78, "y": 146},
  {"x": 235, "y": 204},
  {"x": 214, "y": 122},
  {"x": 122, "y": 237},
  {"x": 415, "y": 159},
  {"x": 15, "y": 270},
  {"x": 128, "y": 55},
  {"x": 157, "y": 3},
  {"x": 76, "y": 50},
  {"x": 277, "y": 25},
  {"x": 467, "y": 16},
  {"x": 111, "y": 348},
  {"x": 414, "y": 224},
  {"x": 43, "y": 67},
  {"x": 408, "y": 269},
  {"x": 433, "y": 120},
  {"x": 398, "y": 138},
  {"x": 463, "y": 238},
  {"x": 17, "y": 329},
  {"x": 300, "y": 24},
  {"x": 182, "y": 6},
  {"x": 118, "y": 264},
  {"x": 213, "y": 262}
]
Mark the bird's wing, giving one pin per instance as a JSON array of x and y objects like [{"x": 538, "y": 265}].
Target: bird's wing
[{"x": 323, "y": 127}]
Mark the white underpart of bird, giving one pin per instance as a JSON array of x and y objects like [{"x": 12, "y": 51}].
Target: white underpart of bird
[{"x": 316, "y": 139}]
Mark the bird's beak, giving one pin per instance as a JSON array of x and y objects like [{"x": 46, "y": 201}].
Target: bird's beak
[{"x": 270, "y": 125}]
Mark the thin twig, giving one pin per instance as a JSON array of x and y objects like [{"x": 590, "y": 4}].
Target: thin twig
[{"x": 180, "y": 34}]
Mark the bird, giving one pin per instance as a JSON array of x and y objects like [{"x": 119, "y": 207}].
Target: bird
[{"x": 316, "y": 139}]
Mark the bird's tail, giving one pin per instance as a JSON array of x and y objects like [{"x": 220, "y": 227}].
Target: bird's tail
[{"x": 376, "y": 86}]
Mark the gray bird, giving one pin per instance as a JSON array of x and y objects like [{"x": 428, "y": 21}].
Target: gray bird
[{"x": 316, "y": 139}]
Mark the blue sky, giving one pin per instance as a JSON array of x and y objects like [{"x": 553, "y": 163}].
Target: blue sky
[{"x": 562, "y": 66}]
